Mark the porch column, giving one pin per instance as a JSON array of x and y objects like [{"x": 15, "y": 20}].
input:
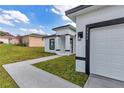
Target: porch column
[
  {"x": 57, "y": 44},
  {"x": 67, "y": 44}
]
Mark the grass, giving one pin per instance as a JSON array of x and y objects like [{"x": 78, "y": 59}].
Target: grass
[
  {"x": 11, "y": 54},
  {"x": 64, "y": 67}
]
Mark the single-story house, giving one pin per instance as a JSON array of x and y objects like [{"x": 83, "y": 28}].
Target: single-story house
[
  {"x": 33, "y": 40},
  {"x": 100, "y": 39},
  {"x": 9, "y": 40},
  {"x": 63, "y": 42},
  {"x": 4, "y": 40},
  {"x": 14, "y": 40}
]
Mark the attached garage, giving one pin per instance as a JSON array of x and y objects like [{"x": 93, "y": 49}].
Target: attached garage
[
  {"x": 107, "y": 50},
  {"x": 101, "y": 49}
]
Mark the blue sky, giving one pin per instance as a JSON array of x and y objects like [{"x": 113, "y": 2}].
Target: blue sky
[{"x": 33, "y": 19}]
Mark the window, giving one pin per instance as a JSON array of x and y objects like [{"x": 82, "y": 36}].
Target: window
[{"x": 52, "y": 44}]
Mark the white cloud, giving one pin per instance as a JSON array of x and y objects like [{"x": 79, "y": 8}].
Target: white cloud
[
  {"x": 63, "y": 8},
  {"x": 5, "y": 21},
  {"x": 17, "y": 15},
  {"x": 33, "y": 30},
  {"x": 42, "y": 27},
  {"x": 55, "y": 11},
  {"x": 65, "y": 18},
  {"x": 23, "y": 29},
  {"x": 60, "y": 10},
  {"x": 9, "y": 17},
  {"x": 17, "y": 21}
]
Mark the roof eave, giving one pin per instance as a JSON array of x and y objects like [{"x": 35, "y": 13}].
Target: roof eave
[
  {"x": 72, "y": 13},
  {"x": 77, "y": 9},
  {"x": 54, "y": 35},
  {"x": 64, "y": 27}
]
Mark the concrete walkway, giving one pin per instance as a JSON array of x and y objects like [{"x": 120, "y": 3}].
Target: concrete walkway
[
  {"x": 28, "y": 76},
  {"x": 96, "y": 81}
]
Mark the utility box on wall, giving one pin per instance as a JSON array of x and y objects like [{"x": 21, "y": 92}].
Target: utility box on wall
[{"x": 80, "y": 36}]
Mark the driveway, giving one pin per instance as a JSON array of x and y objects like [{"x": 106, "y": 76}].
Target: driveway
[
  {"x": 28, "y": 76},
  {"x": 96, "y": 81}
]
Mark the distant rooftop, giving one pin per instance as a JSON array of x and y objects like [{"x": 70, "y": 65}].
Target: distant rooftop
[
  {"x": 34, "y": 35},
  {"x": 3, "y": 33},
  {"x": 7, "y": 37}
]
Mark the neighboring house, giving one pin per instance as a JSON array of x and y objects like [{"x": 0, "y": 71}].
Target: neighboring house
[
  {"x": 4, "y": 40},
  {"x": 14, "y": 40},
  {"x": 9, "y": 40},
  {"x": 100, "y": 39},
  {"x": 33, "y": 40},
  {"x": 63, "y": 42}
]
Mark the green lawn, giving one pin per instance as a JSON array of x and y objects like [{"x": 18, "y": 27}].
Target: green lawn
[
  {"x": 64, "y": 67},
  {"x": 10, "y": 54}
]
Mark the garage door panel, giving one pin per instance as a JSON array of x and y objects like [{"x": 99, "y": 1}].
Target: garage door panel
[
  {"x": 107, "y": 51},
  {"x": 110, "y": 52},
  {"x": 118, "y": 60},
  {"x": 103, "y": 44}
]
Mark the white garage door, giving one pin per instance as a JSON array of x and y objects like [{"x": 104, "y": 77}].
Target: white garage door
[{"x": 107, "y": 51}]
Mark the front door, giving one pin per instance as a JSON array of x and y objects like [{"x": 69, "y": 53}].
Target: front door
[{"x": 71, "y": 42}]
